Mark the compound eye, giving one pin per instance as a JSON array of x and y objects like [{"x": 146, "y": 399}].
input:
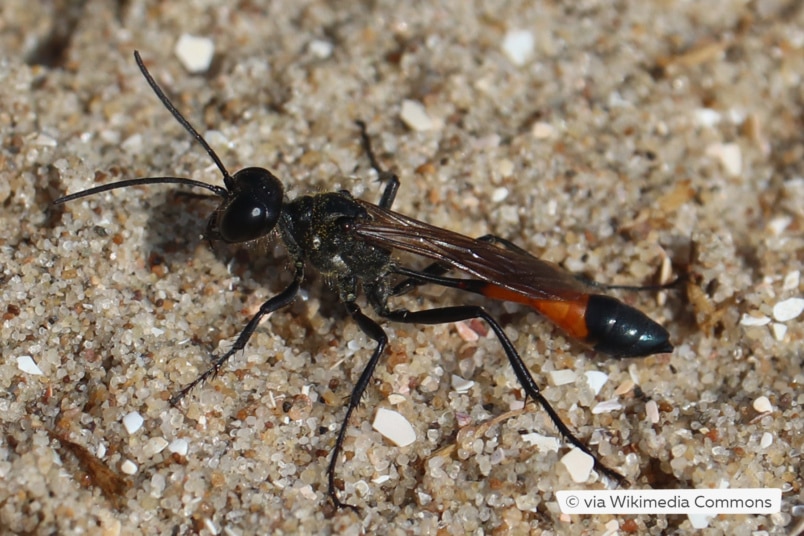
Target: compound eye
[
  {"x": 254, "y": 208},
  {"x": 246, "y": 218}
]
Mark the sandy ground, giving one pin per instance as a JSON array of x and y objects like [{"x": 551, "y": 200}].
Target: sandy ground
[{"x": 616, "y": 139}]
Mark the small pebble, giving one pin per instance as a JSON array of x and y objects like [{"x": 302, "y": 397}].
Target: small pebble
[
  {"x": 763, "y": 405},
  {"x": 395, "y": 399},
  {"x": 210, "y": 526},
  {"x": 624, "y": 387},
  {"x": 128, "y": 467},
  {"x": 778, "y": 225},
  {"x": 579, "y": 465},
  {"x": 194, "y": 52},
  {"x": 729, "y": 155},
  {"x": 154, "y": 446},
  {"x": 499, "y": 194},
  {"x": 791, "y": 280},
  {"x": 611, "y": 526},
  {"x": 133, "y": 422},
  {"x": 463, "y": 419},
  {"x": 505, "y": 167},
  {"x": 466, "y": 332},
  {"x": 652, "y": 411},
  {"x": 706, "y": 117},
  {"x": 179, "y": 446},
  {"x": 44, "y": 140},
  {"x": 541, "y": 130},
  {"x": 766, "y": 441},
  {"x": 461, "y": 385},
  {"x": 779, "y": 331},
  {"x": 394, "y": 427},
  {"x": 414, "y": 115},
  {"x": 308, "y": 493},
  {"x": 132, "y": 144},
  {"x": 518, "y": 46},
  {"x": 320, "y": 49},
  {"x": 382, "y": 479}
]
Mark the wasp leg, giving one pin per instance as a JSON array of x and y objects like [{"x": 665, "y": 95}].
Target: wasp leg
[
  {"x": 392, "y": 184},
  {"x": 375, "y": 332},
  {"x": 466, "y": 312},
  {"x": 283, "y": 299}
]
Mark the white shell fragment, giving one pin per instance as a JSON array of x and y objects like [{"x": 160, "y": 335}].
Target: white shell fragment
[
  {"x": 766, "y": 441},
  {"x": 133, "y": 422},
  {"x": 461, "y": 385},
  {"x": 754, "y": 320},
  {"x": 43, "y": 140},
  {"x": 393, "y": 426},
  {"x": 579, "y": 465},
  {"x": 561, "y": 377},
  {"x": 596, "y": 380},
  {"x": 154, "y": 446},
  {"x": 779, "y": 331},
  {"x": 320, "y": 49},
  {"x": 763, "y": 405},
  {"x": 414, "y": 115},
  {"x": 500, "y": 194},
  {"x": 395, "y": 399},
  {"x": 706, "y": 117},
  {"x": 543, "y": 443},
  {"x": 607, "y": 406},
  {"x": 652, "y": 411},
  {"x": 210, "y": 526},
  {"x": 26, "y": 364},
  {"x": 778, "y": 225},
  {"x": 625, "y": 387},
  {"x": 729, "y": 155},
  {"x": 194, "y": 52},
  {"x": 542, "y": 130},
  {"x": 699, "y": 521},
  {"x": 518, "y": 46},
  {"x": 788, "y": 309},
  {"x": 128, "y": 467},
  {"x": 382, "y": 479},
  {"x": 179, "y": 446},
  {"x": 791, "y": 280}
]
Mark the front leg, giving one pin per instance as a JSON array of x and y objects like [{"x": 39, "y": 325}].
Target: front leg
[
  {"x": 283, "y": 299},
  {"x": 375, "y": 332}
]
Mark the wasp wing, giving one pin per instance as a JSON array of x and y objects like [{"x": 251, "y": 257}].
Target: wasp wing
[{"x": 516, "y": 271}]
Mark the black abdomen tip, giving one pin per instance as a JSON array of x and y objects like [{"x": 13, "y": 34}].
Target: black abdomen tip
[{"x": 623, "y": 331}]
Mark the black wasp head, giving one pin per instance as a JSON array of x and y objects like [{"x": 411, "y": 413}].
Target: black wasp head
[
  {"x": 252, "y": 198},
  {"x": 250, "y": 209}
]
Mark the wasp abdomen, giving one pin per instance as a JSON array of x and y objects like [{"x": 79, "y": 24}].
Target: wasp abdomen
[{"x": 623, "y": 331}]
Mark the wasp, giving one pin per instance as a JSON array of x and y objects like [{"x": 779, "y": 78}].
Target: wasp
[{"x": 352, "y": 242}]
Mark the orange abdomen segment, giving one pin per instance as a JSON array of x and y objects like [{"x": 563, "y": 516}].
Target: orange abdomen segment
[{"x": 569, "y": 315}]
